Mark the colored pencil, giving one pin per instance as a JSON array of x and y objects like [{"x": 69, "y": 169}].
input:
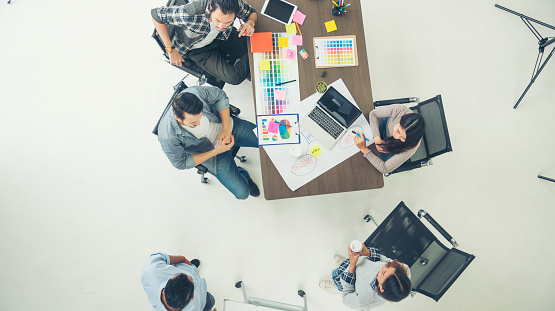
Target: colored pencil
[
  {"x": 357, "y": 134},
  {"x": 299, "y": 29}
]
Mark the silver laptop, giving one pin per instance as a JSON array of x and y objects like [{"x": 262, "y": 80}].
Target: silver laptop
[{"x": 330, "y": 118}]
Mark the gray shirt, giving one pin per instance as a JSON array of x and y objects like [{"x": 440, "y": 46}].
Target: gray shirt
[
  {"x": 361, "y": 296},
  {"x": 395, "y": 112},
  {"x": 178, "y": 144}
]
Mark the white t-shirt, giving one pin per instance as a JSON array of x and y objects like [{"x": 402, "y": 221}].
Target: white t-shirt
[
  {"x": 209, "y": 38},
  {"x": 207, "y": 129}
]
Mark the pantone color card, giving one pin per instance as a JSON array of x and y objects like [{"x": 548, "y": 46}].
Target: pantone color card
[
  {"x": 277, "y": 129},
  {"x": 276, "y": 86},
  {"x": 340, "y": 51}
]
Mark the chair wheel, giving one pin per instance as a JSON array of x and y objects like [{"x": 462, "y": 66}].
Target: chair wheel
[
  {"x": 242, "y": 159},
  {"x": 238, "y": 284},
  {"x": 204, "y": 180},
  {"x": 301, "y": 293}
]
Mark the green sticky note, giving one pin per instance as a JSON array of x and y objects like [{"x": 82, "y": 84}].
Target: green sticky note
[
  {"x": 264, "y": 65},
  {"x": 291, "y": 28}
]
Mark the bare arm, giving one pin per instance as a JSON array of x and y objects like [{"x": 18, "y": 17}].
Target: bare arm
[
  {"x": 178, "y": 259},
  {"x": 162, "y": 29}
]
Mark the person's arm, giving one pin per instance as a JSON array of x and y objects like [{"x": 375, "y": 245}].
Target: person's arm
[
  {"x": 226, "y": 126},
  {"x": 248, "y": 14},
  {"x": 163, "y": 16},
  {"x": 392, "y": 111},
  {"x": 220, "y": 148},
  {"x": 178, "y": 259},
  {"x": 372, "y": 253},
  {"x": 175, "y": 152},
  {"x": 162, "y": 29},
  {"x": 393, "y": 162}
]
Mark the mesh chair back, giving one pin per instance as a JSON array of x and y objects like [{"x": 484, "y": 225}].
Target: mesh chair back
[
  {"x": 436, "y": 136},
  {"x": 433, "y": 266}
]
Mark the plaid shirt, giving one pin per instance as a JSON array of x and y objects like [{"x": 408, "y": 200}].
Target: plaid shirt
[
  {"x": 349, "y": 277},
  {"x": 194, "y": 19}
]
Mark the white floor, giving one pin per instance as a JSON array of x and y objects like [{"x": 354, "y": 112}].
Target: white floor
[{"x": 86, "y": 193}]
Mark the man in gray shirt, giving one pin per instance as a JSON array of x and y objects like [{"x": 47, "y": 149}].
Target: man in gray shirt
[{"x": 199, "y": 130}]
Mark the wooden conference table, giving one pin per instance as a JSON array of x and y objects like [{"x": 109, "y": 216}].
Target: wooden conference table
[{"x": 355, "y": 173}]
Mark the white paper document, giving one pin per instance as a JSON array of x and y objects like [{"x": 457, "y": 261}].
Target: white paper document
[{"x": 316, "y": 159}]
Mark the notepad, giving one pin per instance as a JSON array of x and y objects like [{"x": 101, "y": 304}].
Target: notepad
[
  {"x": 297, "y": 40},
  {"x": 330, "y": 26},
  {"x": 291, "y": 28},
  {"x": 265, "y": 65},
  {"x": 290, "y": 54},
  {"x": 299, "y": 17},
  {"x": 281, "y": 94},
  {"x": 283, "y": 42},
  {"x": 261, "y": 42}
]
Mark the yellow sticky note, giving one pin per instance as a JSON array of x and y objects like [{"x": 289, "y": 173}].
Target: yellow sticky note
[
  {"x": 283, "y": 42},
  {"x": 264, "y": 65},
  {"x": 291, "y": 28},
  {"x": 330, "y": 26},
  {"x": 316, "y": 151}
]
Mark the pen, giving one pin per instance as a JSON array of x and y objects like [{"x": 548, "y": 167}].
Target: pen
[
  {"x": 287, "y": 126},
  {"x": 282, "y": 83},
  {"x": 357, "y": 134},
  {"x": 241, "y": 23}
]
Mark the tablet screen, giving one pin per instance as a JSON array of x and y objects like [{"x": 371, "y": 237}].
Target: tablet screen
[{"x": 279, "y": 10}]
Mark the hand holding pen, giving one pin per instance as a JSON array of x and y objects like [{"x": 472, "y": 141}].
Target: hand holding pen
[{"x": 360, "y": 142}]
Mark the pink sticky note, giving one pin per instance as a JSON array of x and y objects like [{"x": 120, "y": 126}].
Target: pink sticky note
[
  {"x": 273, "y": 127},
  {"x": 297, "y": 40},
  {"x": 290, "y": 54},
  {"x": 299, "y": 17},
  {"x": 280, "y": 94}
]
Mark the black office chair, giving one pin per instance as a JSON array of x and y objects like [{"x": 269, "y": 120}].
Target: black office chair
[
  {"x": 190, "y": 67},
  {"x": 433, "y": 267},
  {"x": 436, "y": 136},
  {"x": 233, "y": 111}
]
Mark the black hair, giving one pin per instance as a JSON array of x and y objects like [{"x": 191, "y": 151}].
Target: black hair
[
  {"x": 186, "y": 102},
  {"x": 414, "y": 125},
  {"x": 227, "y": 6},
  {"x": 398, "y": 285},
  {"x": 179, "y": 291}
]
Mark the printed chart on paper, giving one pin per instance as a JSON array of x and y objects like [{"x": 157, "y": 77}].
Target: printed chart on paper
[{"x": 272, "y": 99}]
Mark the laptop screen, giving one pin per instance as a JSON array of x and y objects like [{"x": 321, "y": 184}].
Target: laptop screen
[{"x": 339, "y": 107}]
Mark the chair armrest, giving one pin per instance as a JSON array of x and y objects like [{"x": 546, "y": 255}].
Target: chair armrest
[
  {"x": 396, "y": 101},
  {"x": 423, "y": 213}
]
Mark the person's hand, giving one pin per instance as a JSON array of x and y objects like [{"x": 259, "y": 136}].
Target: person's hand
[
  {"x": 214, "y": 309},
  {"x": 186, "y": 261},
  {"x": 378, "y": 141},
  {"x": 353, "y": 257},
  {"x": 360, "y": 142},
  {"x": 247, "y": 29},
  {"x": 365, "y": 251},
  {"x": 175, "y": 58},
  {"x": 225, "y": 136},
  {"x": 222, "y": 147}
]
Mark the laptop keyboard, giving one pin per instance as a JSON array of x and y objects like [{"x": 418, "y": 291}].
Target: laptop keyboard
[{"x": 326, "y": 122}]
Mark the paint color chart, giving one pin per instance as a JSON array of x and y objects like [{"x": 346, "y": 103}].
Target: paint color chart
[
  {"x": 277, "y": 129},
  {"x": 273, "y": 68},
  {"x": 340, "y": 51}
]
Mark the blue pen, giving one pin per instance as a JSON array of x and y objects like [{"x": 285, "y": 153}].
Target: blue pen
[{"x": 357, "y": 134}]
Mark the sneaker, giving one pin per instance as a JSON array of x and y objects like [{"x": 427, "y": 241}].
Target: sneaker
[
  {"x": 195, "y": 262},
  {"x": 338, "y": 260},
  {"x": 328, "y": 286},
  {"x": 254, "y": 191}
]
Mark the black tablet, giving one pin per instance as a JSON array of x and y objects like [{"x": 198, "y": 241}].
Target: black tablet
[{"x": 279, "y": 10}]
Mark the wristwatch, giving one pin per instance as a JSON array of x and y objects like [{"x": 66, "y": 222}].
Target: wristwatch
[{"x": 169, "y": 48}]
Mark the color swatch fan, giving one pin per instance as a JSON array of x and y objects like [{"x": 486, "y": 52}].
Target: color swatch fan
[
  {"x": 276, "y": 76},
  {"x": 339, "y": 51}
]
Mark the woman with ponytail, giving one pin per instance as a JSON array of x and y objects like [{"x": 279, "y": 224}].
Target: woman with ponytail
[{"x": 397, "y": 133}]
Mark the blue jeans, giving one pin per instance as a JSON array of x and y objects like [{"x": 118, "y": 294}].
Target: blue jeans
[
  {"x": 383, "y": 136},
  {"x": 235, "y": 179},
  {"x": 335, "y": 273}
]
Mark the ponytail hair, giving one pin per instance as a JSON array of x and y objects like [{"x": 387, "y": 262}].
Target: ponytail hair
[
  {"x": 414, "y": 125},
  {"x": 397, "y": 286}
]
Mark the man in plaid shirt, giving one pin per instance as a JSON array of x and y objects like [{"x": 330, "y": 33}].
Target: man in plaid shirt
[{"x": 205, "y": 34}]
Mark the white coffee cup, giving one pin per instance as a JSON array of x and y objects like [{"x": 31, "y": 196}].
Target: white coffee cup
[
  {"x": 356, "y": 246},
  {"x": 296, "y": 151}
]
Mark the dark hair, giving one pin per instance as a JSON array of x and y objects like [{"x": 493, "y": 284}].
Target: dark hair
[
  {"x": 186, "y": 102},
  {"x": 227, "y": 6},
  {"x": 414, "y": 125},
  {"x": 397, "y": 286},
  {"x": 179, "y": 291}
]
